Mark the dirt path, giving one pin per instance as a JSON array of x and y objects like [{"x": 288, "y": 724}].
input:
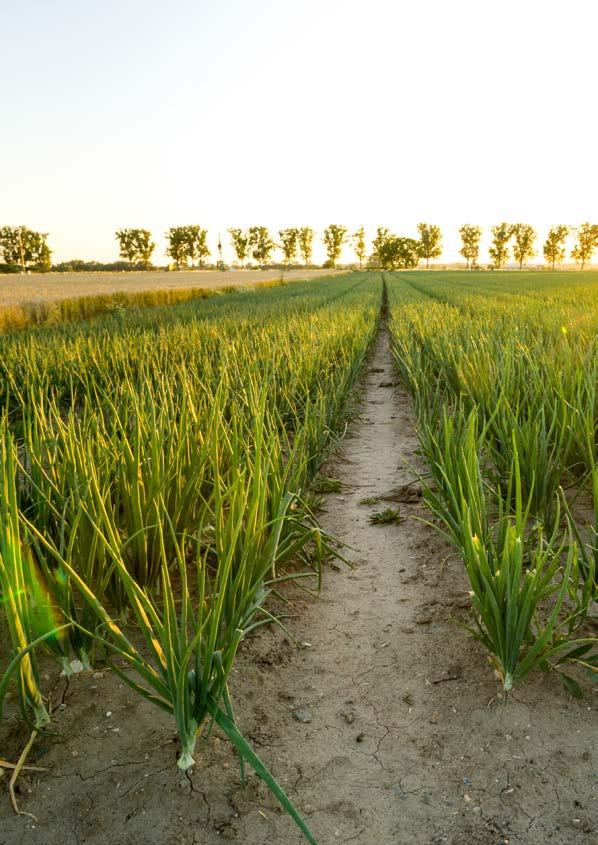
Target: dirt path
[
  {"x": 408, "y": 741},
  {"x": 385, "y": 730}
]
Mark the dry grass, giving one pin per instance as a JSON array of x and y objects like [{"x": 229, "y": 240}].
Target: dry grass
[{"x": 46, "y": 287}]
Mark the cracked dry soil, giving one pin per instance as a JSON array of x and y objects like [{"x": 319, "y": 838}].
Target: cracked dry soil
[{"x": 405, "y": 737}]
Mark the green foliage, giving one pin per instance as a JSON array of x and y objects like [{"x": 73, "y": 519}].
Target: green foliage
[
  {"x": 587, "y": 242},
  {"x": 135, "y": 245},
  {"x": 470, "y": 238},
  {"x": 240, "y": 242},
  {"x": 260, "y": 244},
  {"x": 499, "y": 248},
  {"x": 26, "y": 607},
  {"x": 386, "y": 516},
  {"x": 305, "y": 239},
  {"x": 334, "y": 238},
  {"x": 394, "y": 253},
  {"x": 187, "y": 244},
  {"x": 325, "y": 484},
  {"x": 382, "y": 236},
  {"x": 152, "y": 486},
  {"x": 178, "y": 247},
  {"x": 554, "y": 246},
  {"x": 25, "y": 248},
  {"x": 399, "y": 253},
  {"x": 359, "y": 245},
  {"x": 430, "y": 241},
  {"x": 78, "y": 265},
  {"x": 506, "y": 401},
  {"x": 523, "y": 248},
  {"x": 289, "y": 243}
]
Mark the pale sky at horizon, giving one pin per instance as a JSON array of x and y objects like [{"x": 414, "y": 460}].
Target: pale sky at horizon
[{"x": 142, "y": 113}]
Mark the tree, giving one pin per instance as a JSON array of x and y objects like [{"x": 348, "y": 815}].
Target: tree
[
  {"x": 382, "y": 236},
  {"x": 305, "y": 239},
  {"x": 178, "y": 245},
  {"x": 25, "y": 247},
  {"x": 587, "y": 241},
  {"x": 261, "y": 244},
  {"x": 554, "y": 246},
  {"x": 399, "y": 253},
  {"x": 135, "y": 245},
  {"x": 289, "y": 238},
  {"x": 470, "y": 236},
  {"x": 187, "y": 244},
  {"x": 499, "y": 248},
  {"x": 358, "y": 239},
  {"x": 525, "y": 237},
  {"x": 197, "y": 247},
  {"x": 240, "y": 241},
  {"x": 334, "y": 238},
  {"x": 430, "y": 242}
]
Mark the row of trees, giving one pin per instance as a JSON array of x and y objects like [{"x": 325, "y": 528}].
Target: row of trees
[
  {"x": 187, "y": 245},
  {"x": 521, "y": 238},
  {"x": 388, "y": 250}
]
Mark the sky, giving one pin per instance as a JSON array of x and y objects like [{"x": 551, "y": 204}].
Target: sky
[{"x": 233, "y": 113}]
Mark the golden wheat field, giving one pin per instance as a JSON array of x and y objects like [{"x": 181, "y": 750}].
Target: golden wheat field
[{"x": 15, "y": 290}]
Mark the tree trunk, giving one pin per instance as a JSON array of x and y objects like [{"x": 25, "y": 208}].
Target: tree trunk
[{"x": 21, "y": 251}]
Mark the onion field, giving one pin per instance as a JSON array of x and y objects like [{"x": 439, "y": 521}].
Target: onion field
[
  {"x": 504, "y": 379},
  {"x": 161, "y": 482},
  {"x": 153, "y": 480}
]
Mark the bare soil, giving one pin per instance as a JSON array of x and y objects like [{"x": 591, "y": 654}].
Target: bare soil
[
  {"x": 18, "y": 289},
  {"x": 387, "y": 726}
]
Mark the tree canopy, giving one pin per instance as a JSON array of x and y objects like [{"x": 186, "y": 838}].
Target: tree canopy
[
  {"x": 554, "y": 246},
  {"x": 305, "y": 239},
  {"x": 430, "y": 241},
  {"x": 499, "y": 248},
  {"x": 135, "y": 245},
  {"x": 587, "y": 242},
  {"x": 260, "y": 244},
  {"x": 525, "y": 238},
  {"x": 334, "y": 238},
  {"x": 25, "y": 248},
  {"x": 187, "y": 244},
  {"x": 382, "y": 235},
  {"x": 240, "y": 242},
  {"x": 398, "y": 253},
  {"x": 288, "y": 244},
  {"x": 359, "y": 245},
  {"x": 470, "y": 239}
]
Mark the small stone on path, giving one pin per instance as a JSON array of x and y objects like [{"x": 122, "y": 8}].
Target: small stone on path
[{"x": 304, "y": 716}]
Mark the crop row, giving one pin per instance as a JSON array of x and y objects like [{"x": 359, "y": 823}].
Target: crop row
[
  {"x": 153, "y": 476},
  {"x": 505, "y": 388}
]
